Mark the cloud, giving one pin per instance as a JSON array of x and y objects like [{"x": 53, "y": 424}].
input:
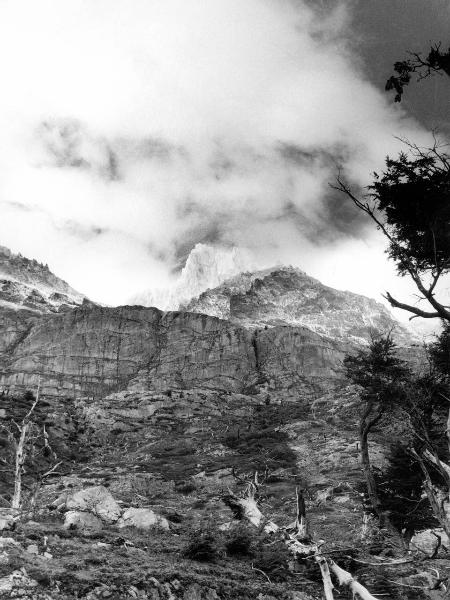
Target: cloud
[
  {"x": 131, "y": 132},
  {"x": 66, "y": 144}
]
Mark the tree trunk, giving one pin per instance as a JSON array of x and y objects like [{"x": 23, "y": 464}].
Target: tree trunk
[
  {"x": 438, "y": 499},
  {"x": 20, "y": 460},
  {"x": 372, "y": 490},
  {"x": 447, "y": 431}
]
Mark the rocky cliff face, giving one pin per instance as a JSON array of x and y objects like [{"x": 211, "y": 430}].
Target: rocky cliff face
[
  {"x": 94, "y": 350},
  {"x": 287, "y": 296},
  {"x": 276, "y": 330},
  {"x": 28, "y": 284},
  {"x": 91, "y": 350}
]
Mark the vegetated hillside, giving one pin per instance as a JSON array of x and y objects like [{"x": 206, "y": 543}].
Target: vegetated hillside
[{"x": 178, "y": 454}]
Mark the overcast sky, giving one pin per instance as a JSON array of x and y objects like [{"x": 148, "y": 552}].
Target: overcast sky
[{"x": 134, "y": 129}]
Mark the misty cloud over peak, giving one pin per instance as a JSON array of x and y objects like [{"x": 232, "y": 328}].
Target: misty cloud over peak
[
  {"x": 206, "y": 267},
  {"x": 133, "y": 132}
]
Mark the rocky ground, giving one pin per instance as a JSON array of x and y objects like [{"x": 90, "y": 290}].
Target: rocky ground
[{"x": 142, "y": 485}]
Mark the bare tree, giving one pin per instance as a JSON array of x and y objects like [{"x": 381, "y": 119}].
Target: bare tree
[
  {"x": 25, "y": 430},
  {"x": 24, "y": 438}
]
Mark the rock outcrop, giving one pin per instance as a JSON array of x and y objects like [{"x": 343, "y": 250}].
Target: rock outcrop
[
  {"x": 286, "y": 296},
  {"x": 205, "y": 267},
  {"x": 91, "y": 351},
  {"x": 277, "y": 328},
  {"x": 142, "y": 518},
  {"x": 96, "y": 500},
  {"x": 83, "y": 521}
]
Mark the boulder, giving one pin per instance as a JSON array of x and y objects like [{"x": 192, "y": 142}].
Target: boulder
[
  {"x": 17, "y": 584},
  {"x": 7, "y": 521},
  {"x": 97, "y": 500},
  {"x": 210, "y": 594},
  {"x": 142, "y": 518},
  {"x": 83, "y": 521},
  {"x": 427, "y": 541},
  {"x": 8, "y": 542},
  {"x": 193, "y": 592},
  {"x": 6, "y": 545}
]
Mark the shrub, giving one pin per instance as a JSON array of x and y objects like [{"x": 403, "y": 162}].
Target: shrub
[
  {"x": 273, "y": 559},
  {"x": 185, "y": 487},
  {"x": 240, "y": 540},
  {"x": 205, "y": 544},
  {"x": 283, "y": 455}
]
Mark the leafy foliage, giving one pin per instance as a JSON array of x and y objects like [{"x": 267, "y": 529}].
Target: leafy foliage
[
  {"x": 272, "y": 557},
  {"x": 409, "y": 201},
  {"x": 440, "y": 353},
  {"x": 261, "y": 444},
  {"x": 379, "y": 372},
  {"x": 413, "y": 194},
  {"x": 428, "y": 409},
  {"x": 401, "y": 493},
  {"x": 382, "y": 377},
  {"x": 205, "y": 544},
  {"x": 436, "y": 61},
  {"x": 240, "y": 540}
]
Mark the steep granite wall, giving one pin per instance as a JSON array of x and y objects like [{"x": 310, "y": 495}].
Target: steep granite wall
[
  {"x": 298, "y": 359},
  {"x": 91, "y": 351},
  {"x": 14, "y": 326}
]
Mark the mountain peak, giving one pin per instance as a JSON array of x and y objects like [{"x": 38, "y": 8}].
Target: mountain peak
[
  {"x": 224, "y": 283},
  {"x": 287, "y": 296},
  {"x": 206, "y": 267},
  {"x": 28, "y": 284}
]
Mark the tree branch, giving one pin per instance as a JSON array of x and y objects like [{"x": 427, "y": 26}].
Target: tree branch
[
  {"x": 410, "y": 267},
  {"x": 408, "y": 307}
]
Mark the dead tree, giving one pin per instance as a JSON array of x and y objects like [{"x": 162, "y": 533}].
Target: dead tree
[
  {"x": 245, "y": 506},
  {"x": 438, "y": 497},
  {"x": 24, "y": 437},
  {"x": 297, "y": 539},
  {"x": 25, "y": 430}
]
